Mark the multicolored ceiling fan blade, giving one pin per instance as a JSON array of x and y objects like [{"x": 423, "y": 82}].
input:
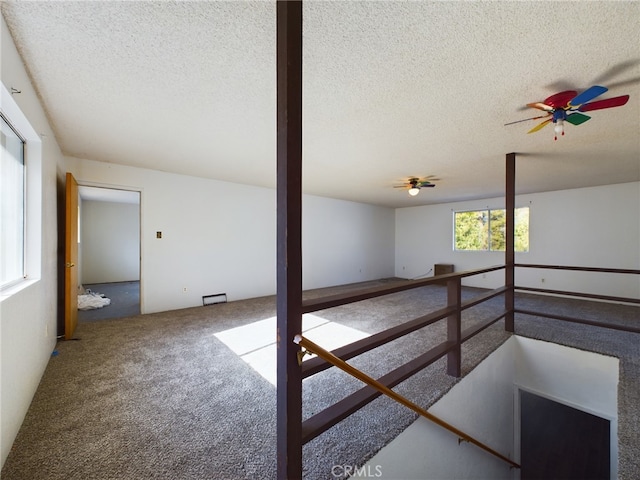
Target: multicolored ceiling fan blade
[
  {"x": 561, "y": 99},
  {"x": 540, "y": 106},
  {"x": 567, "y": 106},
  {"x": 576, "y": 118},
  {"x": 607, "y": 103},
  {"x": 586, "y": 96},
  {"x": 540, "y": 126}
]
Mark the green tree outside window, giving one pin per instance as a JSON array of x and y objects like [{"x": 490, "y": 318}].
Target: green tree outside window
[{"x": 484, "y": 230}]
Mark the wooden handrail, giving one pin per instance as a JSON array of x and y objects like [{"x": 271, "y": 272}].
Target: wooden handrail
[
  {"x": 316, "y": 365},
  {"x": 330, "y": 301},
  {"x": 564, "y": 318},
  {"x": 476, "y": 329},
  {"x": 344, "y": 366},
  {"x": 580, "y": 269},
  {"x": 592, "y": 296},
  {"x": 327, "y": 418}
]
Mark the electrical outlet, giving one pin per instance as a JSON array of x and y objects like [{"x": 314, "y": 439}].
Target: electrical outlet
[
  {"x": 542, "y": 280},
  {"x": 184, "y": 289}
]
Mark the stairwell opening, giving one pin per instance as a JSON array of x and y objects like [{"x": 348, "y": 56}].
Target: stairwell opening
[{"x": 487, "y": 404}]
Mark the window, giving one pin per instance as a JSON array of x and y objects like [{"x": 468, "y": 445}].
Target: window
[
  {"x": 12, "y": 191},
  {"x": 484, "y": 230},
  {"x": 21, "y": 199}
]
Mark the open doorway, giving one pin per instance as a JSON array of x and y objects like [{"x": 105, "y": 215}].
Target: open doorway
[{"x": 109, "y": 253}]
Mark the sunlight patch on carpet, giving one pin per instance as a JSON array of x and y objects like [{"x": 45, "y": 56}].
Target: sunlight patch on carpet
[{"x": 256, "y": 343}]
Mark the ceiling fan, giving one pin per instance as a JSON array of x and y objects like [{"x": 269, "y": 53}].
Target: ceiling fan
[
  {"x": 414, "y": 184},
  {"x": 568, "y": 106}
]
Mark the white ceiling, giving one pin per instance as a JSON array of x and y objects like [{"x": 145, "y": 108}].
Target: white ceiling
[{"x": 391, "y": 90}]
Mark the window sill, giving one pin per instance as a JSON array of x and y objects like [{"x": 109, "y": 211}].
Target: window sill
[{"x": 12, "y": 290}]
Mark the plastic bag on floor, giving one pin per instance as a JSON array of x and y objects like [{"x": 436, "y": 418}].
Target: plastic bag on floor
[{"x": 90, "y": 301}]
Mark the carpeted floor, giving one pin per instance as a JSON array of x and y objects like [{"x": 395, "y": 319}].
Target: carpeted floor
[
  {"x": 125, "y": 301},
  {"x": 160, "y": 397}
]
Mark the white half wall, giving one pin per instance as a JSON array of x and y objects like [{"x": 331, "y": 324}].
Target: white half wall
[
  {"x": 481, "y": 405},
  {"x": 221, "y": 237},
  {"x": 590, "y": 227},
  {"x": 110, "y": 242}
]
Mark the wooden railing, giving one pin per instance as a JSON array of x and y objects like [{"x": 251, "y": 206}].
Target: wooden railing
[
  {"x": 311, "y": 347},
  {"x": 322, "y": 421},
  {"x": 451, "y": 347},
  {"x": 590, "y": 296},
  {"x": 290, "y": 306}
]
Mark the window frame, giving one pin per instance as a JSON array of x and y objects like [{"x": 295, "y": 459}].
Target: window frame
[
  {"x": 10, "y": 282},
  {"x": 485, "y": 213},
  {"x": 33, "y": 194}
]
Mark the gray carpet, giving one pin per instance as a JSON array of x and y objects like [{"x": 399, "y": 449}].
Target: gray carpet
[
  {"x": 125, "y": 301},
  {"x": 160, "y": 397}
]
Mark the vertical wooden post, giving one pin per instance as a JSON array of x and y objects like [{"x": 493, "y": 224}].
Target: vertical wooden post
[
  {"x": 509, "y": 251},
  {"x": 454, "y": 357},
  {"x": 289, "y": 244}
]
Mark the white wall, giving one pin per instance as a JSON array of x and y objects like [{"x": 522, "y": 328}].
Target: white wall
[
  {"x": 110, "y": 242},
  {"x": 481, "y": 405},
  {"x": 593, "y": 227},
  {"x": 29, "y": 316},
  {"x": 221, "y": 237},
  {"x": 485, "y": 405},
  {"x": 345, "y": 242}
]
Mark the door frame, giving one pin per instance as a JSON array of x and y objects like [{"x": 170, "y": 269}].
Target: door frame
[{"x": 140, "y": 191}]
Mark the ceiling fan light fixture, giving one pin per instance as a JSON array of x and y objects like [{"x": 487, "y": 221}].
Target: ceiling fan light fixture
[
  {"x": 559, "y": 128},
  {"x": 414, "y": 191}
]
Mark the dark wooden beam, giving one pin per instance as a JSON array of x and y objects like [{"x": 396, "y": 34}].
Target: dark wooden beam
[
  {"x": 317, "y": 364},
  {"x": 289, "y": 244},
  {"x": 476, "y": 329},
  {"x": 327, "y": 418},
  {"x": 509, "y": 251},
  {"x": 630, "y": 271},
  {"x": 612, "y": 326},
  {"x": 482, "y": 297},
  {"x": 591, "y": 296},
  {"x": 454, "y": 357},
  {"x": 330, "y": 301}
]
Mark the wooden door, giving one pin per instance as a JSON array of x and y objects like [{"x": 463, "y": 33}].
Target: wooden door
[
  {"x": 71, "y": 258},
  {"x": 557, "y": 441}
]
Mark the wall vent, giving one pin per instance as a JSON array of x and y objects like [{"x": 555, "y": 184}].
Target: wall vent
[{"x": 214, "y": 299}]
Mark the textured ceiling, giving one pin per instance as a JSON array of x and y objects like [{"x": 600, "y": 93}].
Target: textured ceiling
[{"x": 391, "y": 90}]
